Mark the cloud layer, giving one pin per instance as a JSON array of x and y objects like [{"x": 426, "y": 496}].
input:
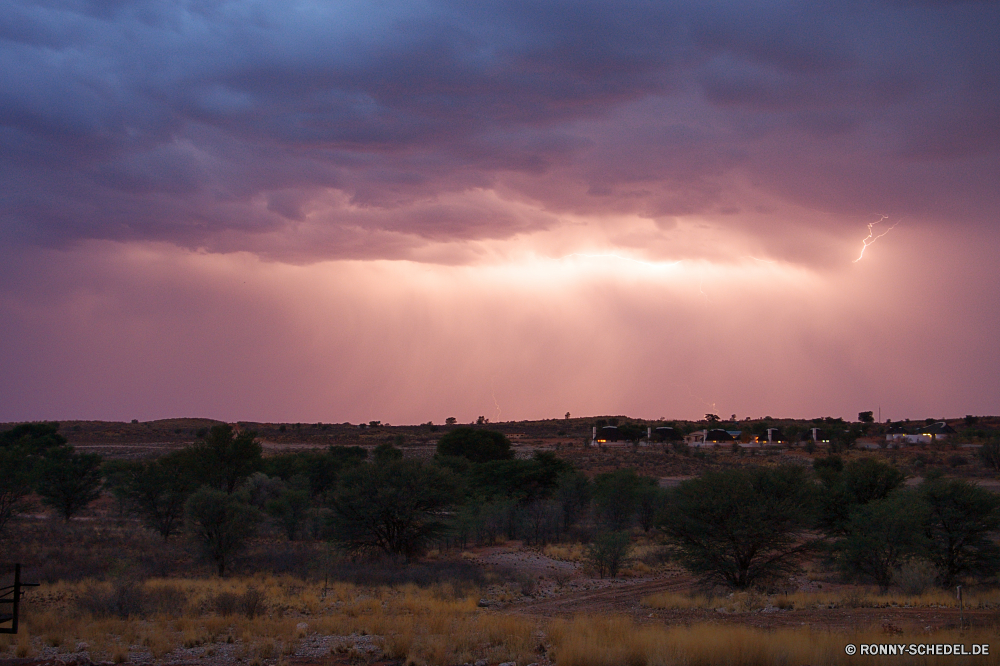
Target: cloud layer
[
  {"x": 412, "y": 210},
  {"x": 369, "y": 131}
]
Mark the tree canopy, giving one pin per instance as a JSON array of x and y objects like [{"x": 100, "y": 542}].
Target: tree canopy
[
  {"x": 476, "y": 444},
  {"x": 740, "y": 527},
  {"x": 395, "y": 508}
]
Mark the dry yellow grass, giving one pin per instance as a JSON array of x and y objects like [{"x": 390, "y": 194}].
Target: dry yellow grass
[
  {"x": 851, "y": 598},
  {"x": 433, "y": 625},
  {"x": 590, "y": 641},
  {"x": 442, "y": 625},
  {"x": 572, "y": 552}
]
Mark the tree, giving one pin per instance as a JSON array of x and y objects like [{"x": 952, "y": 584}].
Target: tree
[
  {"x": 386, "y": 452},
  {"x": 221, "y": 523},
  {"x": 290, "y": 507},
  {"x": 651, "y": 500},
  {"x": 23, "y": 449},
  {"x": 69, "y": 481},
  {"x": 989, "y": 454},
  {"x": 858, "y": 483},
  {"x": 15, "y": 483},
  {"x": 866, "y": 417},
  {"x": 608, "y": 553},
  {"x": 960, "y": 519},
  {"x": 631, "y": 432},
  {"x": 573, "y": 494},
  {"x": 616, "y": 497},
  {"x": 475, "y": 444},
  {"x": 712, "y": 418},
  {"x": 740, "y": 527},
  {"x": 159, "y": 489},
  {"x": 881, "y": 535},
  {"x": 451, "y": 420},
  {"x": 396, "y": 508},
  {"x": 226, "y": 458},
  {"x": 321, "y": 468}
]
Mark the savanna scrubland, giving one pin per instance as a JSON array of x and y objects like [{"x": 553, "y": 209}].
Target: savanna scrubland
[{"x": 201, "y": 542}]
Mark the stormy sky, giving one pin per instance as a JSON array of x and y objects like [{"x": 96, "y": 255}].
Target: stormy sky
[{"x": 404, "y": 211}]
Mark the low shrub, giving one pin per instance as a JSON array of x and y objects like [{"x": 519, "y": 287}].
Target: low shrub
[{"x": 125, "y": 598}]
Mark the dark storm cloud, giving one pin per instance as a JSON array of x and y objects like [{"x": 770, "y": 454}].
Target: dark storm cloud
[{"x": 180, "y": 122}]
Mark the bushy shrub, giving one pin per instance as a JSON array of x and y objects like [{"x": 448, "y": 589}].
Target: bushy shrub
[
  {"x": 915, "y": 577},
  {"x": 125, "y": 599},
  {"x": 608, "y": 553}
]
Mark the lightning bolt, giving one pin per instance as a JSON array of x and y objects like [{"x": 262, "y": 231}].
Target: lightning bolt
[
  {"x": 701, "y": 285},
  {"x": 872, "y": 237},
  {"x": 496, "y": 404}
]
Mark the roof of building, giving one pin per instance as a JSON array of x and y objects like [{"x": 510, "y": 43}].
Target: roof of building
[
  {"x": 718, "y": 435},
  {"x": 939, "y": 428}
]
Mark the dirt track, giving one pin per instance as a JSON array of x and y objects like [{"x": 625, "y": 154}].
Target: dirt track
[
  {"x": 622, "y": 598},
  {"x": 625, "y": 599}
]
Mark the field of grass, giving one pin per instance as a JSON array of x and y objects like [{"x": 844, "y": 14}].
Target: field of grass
[
  {"x": 161, "y": 618},
  {"x": 742, "y": 602},
  {"x": 266, "y": 619},
  {"x": 604, "y": 641}
]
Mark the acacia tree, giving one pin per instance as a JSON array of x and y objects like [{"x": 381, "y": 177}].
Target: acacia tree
[
  {"x": 15, "y": 484},
  {"x": 158, "y": 491},
  {"x": 226, "y": 458},
  {"x": 608, "y": 553},
  {"x": 69, "y": 481},
  {"x": 395, "y": 508},
  {"x": 847, "y": 487},
  {"x": 881, "y": 535},
  {"x": 476, "y": 444},
  {"x": 617, "y": 497},
  {"x": 740, "y": 527},
  {"x": 221, "y": 523},
  {"x": 959, "y": 520},
  {"x": 22, "y": 449}
]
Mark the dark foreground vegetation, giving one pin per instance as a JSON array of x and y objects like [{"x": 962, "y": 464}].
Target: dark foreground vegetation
[{"x": 316, "y": 511}]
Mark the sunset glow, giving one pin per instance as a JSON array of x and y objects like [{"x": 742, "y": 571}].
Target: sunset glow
[{"x": 404, "y": 212}]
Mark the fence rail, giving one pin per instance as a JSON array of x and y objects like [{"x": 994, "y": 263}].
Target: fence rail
[{"x": 10, "y": 602}]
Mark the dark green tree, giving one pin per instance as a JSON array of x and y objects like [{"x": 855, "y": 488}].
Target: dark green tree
[
  {"x": 521, "y": 480},
  {"x": 828, "y": 470},
  {"x": 22, "y": 450},
  {"x": 476, "y": 444},
  {"x": 961, "y": 518},
  {"x": 68, "y": 481},
  {"x": 608, "y": 553},
  {"x": 159, "y": 489},
  {"x": 32, "y": 440},
  {"x": 573, "y": 494},
  {"x": 386, "y": 452},
  {"x": 651, "y": 501},
  {"x": 741, "y": 527},
  {"x": 291, "y": 506},
  {"x": 616, "y": 497},
  {"x": 866, "y": 417},
  {"x": 631, "y": 432},
  {"x": 858, "y": 483},
  {"x": 989, "y": 454},
  {"x": 15, "y": 483},
  {"x": 221, "y": 524},
  {"x": 226, "y": 459},
  {"x": 321, "y": 467},
  {"x": 396, "y": 508},
  {"x": 881, "y": 535}
]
